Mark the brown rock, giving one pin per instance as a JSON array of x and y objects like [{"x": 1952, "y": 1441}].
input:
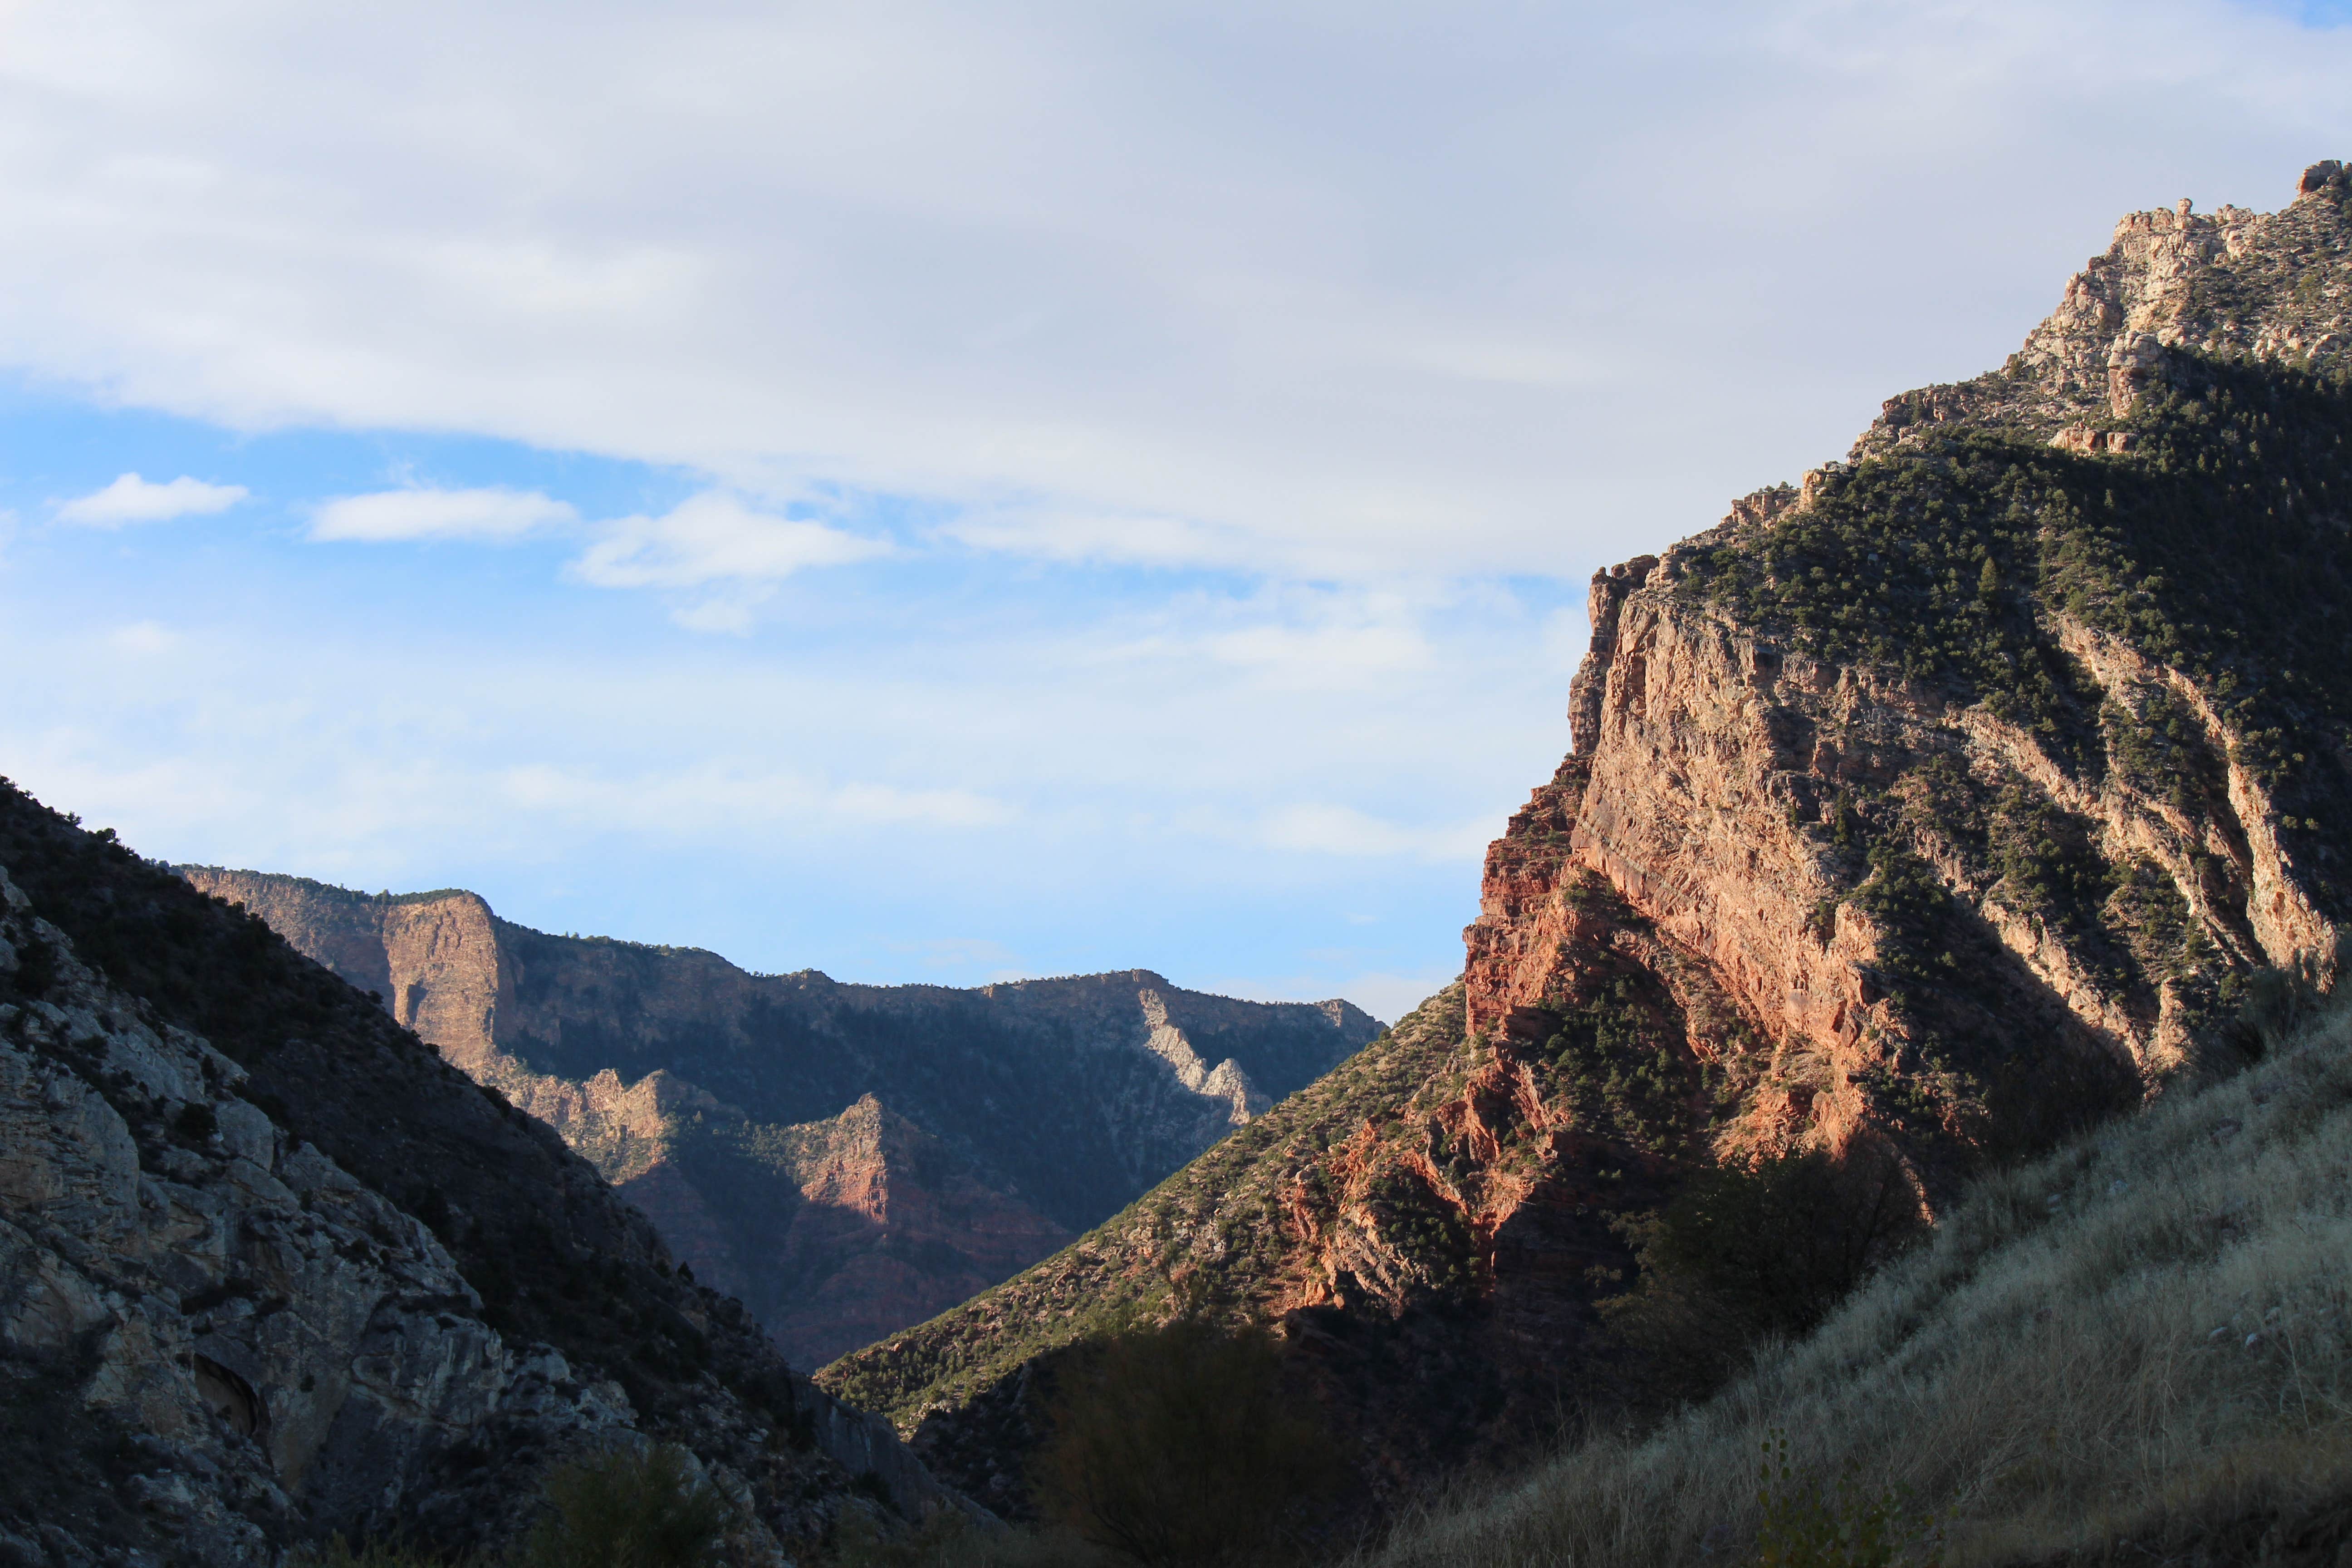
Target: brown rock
[{"x": 744, "y": 1113}]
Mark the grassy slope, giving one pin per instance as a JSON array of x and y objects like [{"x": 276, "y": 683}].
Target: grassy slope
[
  {"x": 2142, "y": 1336},
  {"x": 1220, "y": 1216}
]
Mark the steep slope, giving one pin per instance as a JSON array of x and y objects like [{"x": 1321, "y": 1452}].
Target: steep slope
[
  {"x": 2134, "y": 1350},
  {"x": 1248, "y": 1229},
  {"x": 269, "y": 1268},
  {"x": 734, "y": 1108},
  {"x": 1942, "y": 805}
]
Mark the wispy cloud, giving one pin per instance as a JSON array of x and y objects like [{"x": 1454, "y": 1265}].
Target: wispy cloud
[
  {"x": 1324, "y": 830},
  {"x": 144, "y": 638},
  {"x": 719, "y": 556},
  {"x": 715, "y": 537},
  {"x": 1369, "y": 319},
  {"x": 131, "y": 499},
  {"x": 492, "y": 513},
  {"x": 695, "y": 801},
  {"x": 714, "y": 541}
]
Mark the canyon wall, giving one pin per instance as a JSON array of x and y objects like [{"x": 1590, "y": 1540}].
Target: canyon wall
[
  {"x": 1973, "y": 790},
  {"x": 271, "y": 1271},
  {"x": 845, "y": 1159}
]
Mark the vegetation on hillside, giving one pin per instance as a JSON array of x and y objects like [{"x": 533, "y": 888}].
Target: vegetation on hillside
[
  {"x": 557, "y": 1257},
  {"x": 1749, "y": 1251},
  {"x": 2143, "y": 1338},
  {"x": 1180, "y": 1444},
  {"x": 1217, "y": 1223},
  {"x": 1956, "y": 563},
  {"x": 2217, "y": 547}
]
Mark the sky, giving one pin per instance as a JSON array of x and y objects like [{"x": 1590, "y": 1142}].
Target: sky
[{"x": 943, "y": 493}]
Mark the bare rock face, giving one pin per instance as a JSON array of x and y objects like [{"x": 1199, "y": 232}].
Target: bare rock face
[
  {"x": 284, "y": 1352},
  {"x": 319, "y": 1281},
  {"x": 1945, "y": 803},
  {"x": 1734, "y": 768},
  {"x": 745, "y": 1113}
]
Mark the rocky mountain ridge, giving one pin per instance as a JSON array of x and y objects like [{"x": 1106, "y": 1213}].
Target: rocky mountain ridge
[
  {"x": 293, "y": 1275},
  {"x": 845, "y": 1159},
  {"x": 1949, "y": 801}
]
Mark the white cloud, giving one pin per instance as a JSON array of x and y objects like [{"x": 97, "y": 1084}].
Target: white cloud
[
  {"x": 710, "y": 541},
  {"x": 699, "y": 802},
  {"x": 1326, "y": 829},
  {"x": 1097, "y": 786},
  {"x": 1367, "y": 290},
  {"x": 131, "y": 499},
  {"x": 143, "y": 637},
  {"x": 1140, "y": 540},
  {"x": 713, "y": 541},
  {"x": 386, "y": 516}
]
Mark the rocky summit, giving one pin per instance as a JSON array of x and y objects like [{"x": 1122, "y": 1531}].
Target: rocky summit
[
  {"x": 271, "y": 1271},
  {"x": 846, "y": 1160},
  {"x": 1953, "y": 798}
]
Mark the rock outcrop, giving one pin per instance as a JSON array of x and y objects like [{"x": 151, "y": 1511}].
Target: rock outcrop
[
  {"x": 291, "y": 1274},
  {"x": 845, "y": 1159},
  {"x": 1958, "y": 797}
]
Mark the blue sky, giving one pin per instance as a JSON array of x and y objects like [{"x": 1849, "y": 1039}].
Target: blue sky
[{"x": 938, "y": 492}]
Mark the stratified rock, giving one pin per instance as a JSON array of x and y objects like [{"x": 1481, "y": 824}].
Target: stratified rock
[
  {"x": 1942, "y": 805},
  {"x": 745, "y": 1113}
]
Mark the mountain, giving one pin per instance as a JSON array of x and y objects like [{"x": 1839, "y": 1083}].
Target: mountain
[
  {"x": 2131, "y": 1351},
  {"x": 1959, "y": 797},
  {"x": 271, "y": 1269},
  {"x": 846, "y": 1160}
]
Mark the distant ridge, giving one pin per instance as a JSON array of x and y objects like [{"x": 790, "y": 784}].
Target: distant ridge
[
  {"x": 269, "y": 1268},
  {"x": 846, "y": 1159}
]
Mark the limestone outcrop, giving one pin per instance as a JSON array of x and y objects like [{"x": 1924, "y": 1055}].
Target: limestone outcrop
[{"x": 846, "y": 1160}]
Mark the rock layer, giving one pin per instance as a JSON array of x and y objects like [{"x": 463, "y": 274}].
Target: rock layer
[
  {"x": 1966, "y": 792},
  {"x": 845, "y": 1159}
]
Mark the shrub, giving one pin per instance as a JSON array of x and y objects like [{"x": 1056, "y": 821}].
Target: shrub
[
  {"x": 338, "y": 1552},
  {"x": 1808, "y": 1525},
  {"x": 624, "y": 1509},
  {"x": 1744, "y": 1251},
  {"x": 947, "y": 1539},
  {"x": 1178, "y": 1446}
]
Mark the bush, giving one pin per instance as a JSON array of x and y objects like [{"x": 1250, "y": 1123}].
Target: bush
[
  {"x": 1178, "y": 1446},
  {"x": 1808, "y": 1525},
  {"x": 1747, "y": 1251},
  {"x": 624, "y": 1509},
  {"x": 340, "y": 1552},
  {"x": 947, "y": 1539},
  {"x": 2277, "y": 1003}
]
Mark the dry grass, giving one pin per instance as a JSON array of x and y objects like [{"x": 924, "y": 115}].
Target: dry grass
[{"x": 2141, "y": 1333}]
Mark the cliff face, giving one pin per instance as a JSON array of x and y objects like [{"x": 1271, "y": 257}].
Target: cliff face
[
  {"x": 2027, "y": 723},
  {"x": 294, "y": 1275},
  {"x": 845, "y": 1159},
  {"x": 1951, "y": 800}
]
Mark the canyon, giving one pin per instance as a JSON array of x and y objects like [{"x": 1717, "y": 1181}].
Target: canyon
[
  {"x": 845, "y": 1160},
  {"x": 271, "y": 1271},
  {"x": 1971, "y": 791}
]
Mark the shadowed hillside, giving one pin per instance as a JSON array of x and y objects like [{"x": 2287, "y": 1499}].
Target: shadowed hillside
[
  {"x": 846, "y": 1159},
  {"x": 270, "y": 1268}
]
